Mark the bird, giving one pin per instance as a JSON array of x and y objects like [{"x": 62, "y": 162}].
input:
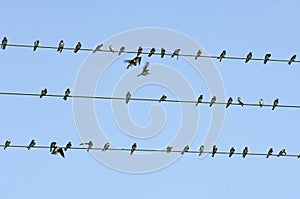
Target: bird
[
  {"x": 267, "y": 57},
  {"x": 145, "y": 70},
  {"x": 67, "y": 93},
  {"x": 128, "y": 97},
  {"x": 52, "y": 146},
  {"x": 57, "y": 150},
  {"x": 269, "y": 152},
  {"x": 200, "y": 98},
  {"x": 133, "y": 62},
  {"x": 185, "y": 149},
  {"x": 162, "y": 53},
  {"x": 281, "y": 153},
  {"x": 68, "y": 145},
  {"x": 4, "y": 43},
  {"x": 7, "y": 143},
  {"x": 60, "y": 46},
  {"x": 222, "y": 55},
  {"x": 229, "y": 101},
  {"x": 213, "y": 100},
  {"x": 43, "y": 92},
  {"x": 249, "y": 56},
  {"x": 133, "y": 148},
  {"x": 36, "y": 45},
  {"x": 231, "y": 152},
  {"x": 105, "y": 147},
  {"x": 245, "y": 151},
  {"x": 292, "y": 59},
  {"x": 201, "y": 149},
  {"x": 176, "y": 53},
  {"x": 140, "y": 50},
  {"x": 261, "y": 102},
  {"x": 77, "y": 47},
  {"x": 169, "y": 149},
  {"x": 31, "y": 144},
  {"x": 198, "y": 54},
  {"x": 298, "y": 156},
  {"x": 111, "y": 48},
  {"x": 152, "y": 51},
  {"x": 122, "y": 49},
  {"x": 214, "y": 151},
  {"x": 275, "y": 103},
  {"x": 240, "y": 101},
  {"x": 89, "y": 145},
  {"x": 163, "y": 98},
  {"x": 97, "y": 48}
]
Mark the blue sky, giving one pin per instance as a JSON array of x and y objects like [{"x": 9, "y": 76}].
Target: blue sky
[{"x": 237, "y": 26}]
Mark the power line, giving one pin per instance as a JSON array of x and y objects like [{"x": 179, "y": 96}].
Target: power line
[{"x": 148, "y": 99}]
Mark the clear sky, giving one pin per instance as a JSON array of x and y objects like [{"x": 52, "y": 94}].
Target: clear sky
[{"x": 237, "y": 26}]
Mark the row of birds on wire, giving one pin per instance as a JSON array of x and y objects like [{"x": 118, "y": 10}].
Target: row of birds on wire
[
  {"x": 153, "y": 51},
  {"x": 55, "y": 149}
]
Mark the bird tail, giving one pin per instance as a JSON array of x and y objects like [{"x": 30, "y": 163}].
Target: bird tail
[
  {"x": 65, "y": 97},
  {"x": 273, "y": 107}
]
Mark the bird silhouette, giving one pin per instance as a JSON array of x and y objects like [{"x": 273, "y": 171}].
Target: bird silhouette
[
  {"x": 68, "y": 146},
  {"x": 214, "y": 151},
  {"x": 60, "y": 46},
  {"x": 67, "y": 94},
  {"x": 169, "y": 149},
  {"x": 240, "y": 101},
  {"x": 97, "y": 48},
  {"x": 269, "y": 152},
  {"x": 261, "y": 102},
  {"x": 222, "y": 55},
  {"x": 201, "y": 150},
  {"x": 267, "y": 57},
  {"x": 77, "y": 47},
  {"x": 111, "y": 48},
  {"x": 231, "y": 152},
  {"x": 133, "y": 148},
  {"x": 249, "y": 56},
  {"x": 281, "y": 153},
  {"x": 36, "y": 45},
  {"x": 200, "y": 98},
  {"x": 163, "y": 98},
  {"x": 89, "y": 145},
  {"x": 140, "y": 50},
  {"x": 43, "y": 92},
  {"x": 52, "y": 146},
  {"x": 145, "y": 70},
  {"x": 292, "y": 59},
  {"x": 275, "y": 103},
  {"x": 229, "y": 101},
  {"x": 122, "y": 49},
  {"x": 31, "y": 144},
  {"x": 213, "y": 100},
  {"x": 57, "y": 150},
  {"x": 176, "y": 53},
  {"x": 7, "y": 143},
  {"x": 152, "y": 51},
  {"x": 128, "y": 97},
  {"x": 4, "y": 43},
  {"x": 185, "y": 149},
  {"x": 245, "y": 152},
  {"x": 162, "y": 53},
  {"x": 133, "y": 62},
  {"x": 105, "y": 147},
  {"x": 198, "y": 54}
]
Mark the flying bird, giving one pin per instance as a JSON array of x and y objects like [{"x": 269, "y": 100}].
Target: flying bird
[
  {"x": 77, "y": 47},
  {"x": 185, "y": 149},
  {"x": 240, "y": 101},
  {"x": 214, "y": 151},
  {"x": 43, "y": 92},
  {"x": 68, "y": 146},
  {"x": 245, "y": 152},
  {"x": 128, "y": 97},
  {"x": 122, "y": 49},
  {"x": 59, "y": 150},
  {"x": 261, "y": 102},
  {"x": 31, "y": 144},
  {"x": 231, "y": 152},
  {"x": 145, "y": 70},
  {"x": 97, "y": 48},
  {"x": 292, "y": 59},
  {"x": 162, "y": 53},
  {"x": 176, "y": 53},
  {"x": 269, "y": 152},
  {"x": 133, "y": 148},
  {"x": 281, "y": 153},
  {"x": 169, "y": 149},
  {"x": 133, "y": 62},
  {"x": 36, "y": 45},
  {"x": 4, "y": 43},
  {"x": 267, "y": 57},
  {"x": 105, "y": 147},
  {"x": 200, "y": 98},
  {"x": 111, "y": 48},
  {"x": 163, "y": 98},
  {"x": 140, "y": 50},
  {"x": 60, "y": 46},
  {"x": 201, "y": 150},
  {"x": 7, "y": 143},
  {"x": 89, "y": 145},
  {"x": 275, "y": 103},
  {"x": 213, "y": 100},
  {"x": 249, "y": 56},
  {"x": 152, "y": 51},
  {"x": 229, "y": 101},
  {"x": 52, "y": 146},
  {"x": 198, "y": 54},
  {"x": 222, "y": 55},
  {"x": 67, "y": 94}
]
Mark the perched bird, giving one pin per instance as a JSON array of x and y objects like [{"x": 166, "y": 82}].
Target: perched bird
[
  {"x": 231, "y": 152},
  {"x": 162, "y": 53},
  {"x": 267, "y": 57},
  {"x": 133, "y": 148},
  {"x": 89, "y": 145},
  {"x": 68, "y": 146},
  {"x": 213, "y": 100},
  {"x": 52, "y": 146},
  {"x": 245, "y": 151},
  {"x": 43, "y": 92},
  {"x": 111, "y": 48},
  {"x": 249, "y": 56},
  {"x": 292, "y": 59},
  {"x": 240, "y": 101},
  {"x": 200, "y": 98},
  {"x": 214, "y": 151},
  {"x": 163, "y": 98},
  {"x": 122, "y": 49},
  {"x": 67, "y": 93},
  {"x": 275, "y": 103},
  {"x": 59, "y": 150},
  {"x": 133, "y": 62},
  {"x": 140, "y": 50},
  {"x": 97, "y": 48},
  {"x": 7, "y": 143},
  {"x": 4, "y": 43},
  {"x": 185, "y": 149},
  {"x": 36, "y": 45},
  {"x": 201, "y": 150},
  {"x": 222, "y": 55},
  {"x": 60, "y": 46},
  {"x": 31, "y": 144},
  {"x": 198, "y": 54},
  {"x": 261, "y": 102},
  {"x": 169, "y": 149},
  {"x": 77, "y": 47},
  {"x": 152, "y": 51},
  {"x": 128, "y": 97},
  {"x": 281, "y": 153},
  {"x": 229, "y": 101},
  {"x": 145, "y": 70},
  {"x": 269, "y": 152},
  {"x": 176, "y": 53},
  {"x": 105, "y": 147}
]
